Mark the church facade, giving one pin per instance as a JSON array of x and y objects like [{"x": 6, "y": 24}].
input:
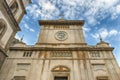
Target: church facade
[{"x": 60, "y": 53}]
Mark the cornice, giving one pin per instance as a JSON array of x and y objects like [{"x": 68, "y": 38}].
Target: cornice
[
  {"x": 61, "y": 43},
  {"x": 63, "y": 49},
  {"x": 23, "y": 58},
  {"x": 61, "y": 22}
]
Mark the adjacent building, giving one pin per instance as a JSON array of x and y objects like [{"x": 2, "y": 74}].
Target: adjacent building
[{"x": 11, "y": 13}]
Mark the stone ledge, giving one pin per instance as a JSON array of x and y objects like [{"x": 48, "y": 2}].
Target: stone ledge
[
  {"x": 61, "y": 22},
  {"x": 63, "y": 49}
]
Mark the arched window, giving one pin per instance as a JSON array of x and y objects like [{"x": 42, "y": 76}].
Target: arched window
[
  {"x": 61, "y": 73},
  {"x": 2, "y": 27},
  {"x": 14, "y": 7}
]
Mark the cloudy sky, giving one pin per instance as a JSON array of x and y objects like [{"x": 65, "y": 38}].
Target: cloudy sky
[{"x": 101, "y": 17}]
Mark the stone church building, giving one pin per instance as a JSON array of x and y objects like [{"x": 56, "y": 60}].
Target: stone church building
[{"x": 60, "y": 53}]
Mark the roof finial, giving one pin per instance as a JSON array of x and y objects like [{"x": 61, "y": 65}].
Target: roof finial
[
  {"x": 100, "y": 38},
  {"x": 61, "y": 16},
  {"x": 22, "y": 38}
]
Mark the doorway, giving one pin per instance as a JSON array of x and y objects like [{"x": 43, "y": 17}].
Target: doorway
[{"x": 61, "y": 78}]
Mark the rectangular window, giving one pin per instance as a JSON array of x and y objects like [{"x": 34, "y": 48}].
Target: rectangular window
[
  {"x": 19, "y": 78},
  {"x": 60, "y": 78},
  {"x": 27, "y": 54},
  {"x": 102, "y": 78}
]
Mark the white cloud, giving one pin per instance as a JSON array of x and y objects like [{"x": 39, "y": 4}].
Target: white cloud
[
  {"x": 46, "y": 5},
  {"x": 114, "y": 16},
  {"x": 113, "y": 32},
  {"x": 104, "y": 33},
  {"x": 43, "y": 10},
  {"x": 96, "y": 36},
  {"x": 92, "y": 10},
  {"x": 32, "y": 30},
  {"x": 91, "y": 20},
  {"x": 115, "y": 11},
  {"x": 34, "y": 11},
  {"x": 32, "y": 8},
  {"x": 118, "y": 8},
  {"x": 17, "y": 37},
  {"x": 86, "y": 29},
  {"x": 28, "y": 28}
]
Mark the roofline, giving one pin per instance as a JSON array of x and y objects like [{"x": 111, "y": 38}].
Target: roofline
[
  {"x": 69, "y": 49},
  {"x": 61, "y": 22}
]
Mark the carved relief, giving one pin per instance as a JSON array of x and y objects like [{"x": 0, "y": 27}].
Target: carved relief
[
  {"x": 61, "y": 27},
  {"x": 61, "y": 54},
  {"x": 60, "y": 69},
  {"x": 99, "y": 67},
  {"x": 61, "y": 73},
  {"x": 94, "y": 54}
]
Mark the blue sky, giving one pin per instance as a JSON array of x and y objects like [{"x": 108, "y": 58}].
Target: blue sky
[{"x": 101, "y": 17}]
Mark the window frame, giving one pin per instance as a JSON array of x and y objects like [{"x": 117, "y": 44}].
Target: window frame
[
  {"x": 14, "y": 7},
  {"x": 2, "y": 32},
  {"x": 102, "y": 78}
]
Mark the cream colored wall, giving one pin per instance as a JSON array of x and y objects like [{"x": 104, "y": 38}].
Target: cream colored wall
[
  {"x": 8, "y": 32},
  {"x": 75, "y": 35},
  {"x": 40, "y": 67}
]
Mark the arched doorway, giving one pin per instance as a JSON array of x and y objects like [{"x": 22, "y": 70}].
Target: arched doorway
[{"x": 61, "y": 73}]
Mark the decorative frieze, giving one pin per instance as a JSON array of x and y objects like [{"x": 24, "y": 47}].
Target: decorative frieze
[
  {"x": 98, "y": 67},
  {"x": 94, "y": 54},
  {"x": 61, "y": 27},
  {"x": 61, "y": 54}
]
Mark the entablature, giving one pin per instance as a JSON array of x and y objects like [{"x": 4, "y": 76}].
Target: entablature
[
  {"x": 64, "y": 49},
  {"x": 61, "y": 22}
]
